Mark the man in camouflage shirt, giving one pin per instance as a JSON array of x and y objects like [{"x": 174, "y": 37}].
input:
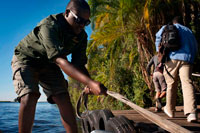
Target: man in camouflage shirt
[{"x": 39, "y": 57}]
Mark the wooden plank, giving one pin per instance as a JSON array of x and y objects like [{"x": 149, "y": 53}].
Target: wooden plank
[
  {"x": 179, "y": 119},
  {"x": 148, "y": 126},
  {"x": 196, "y": 74},
  {"x": 160, "y": 121}
]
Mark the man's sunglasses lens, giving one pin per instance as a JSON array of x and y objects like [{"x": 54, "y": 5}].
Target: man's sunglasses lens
[{"x": 82, "y": 21}]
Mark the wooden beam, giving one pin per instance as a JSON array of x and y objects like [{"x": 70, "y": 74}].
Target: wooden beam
[
  {"x": 196, "y": 74},
  {"x": 160, "y": 121}
]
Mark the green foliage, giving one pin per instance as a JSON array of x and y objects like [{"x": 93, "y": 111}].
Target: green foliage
[
  {"x": 74, "y": 89},
  {"x": 121, "y": 44}
]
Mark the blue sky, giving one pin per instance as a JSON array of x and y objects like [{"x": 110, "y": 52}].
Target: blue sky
[{"x": 17, "y": 19}]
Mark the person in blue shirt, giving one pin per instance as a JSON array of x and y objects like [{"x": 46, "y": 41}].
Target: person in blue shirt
[{"x": 180, "y": 65}]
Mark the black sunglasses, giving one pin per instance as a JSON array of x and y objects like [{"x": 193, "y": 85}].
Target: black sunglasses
[{"x": 80, "y": 20}]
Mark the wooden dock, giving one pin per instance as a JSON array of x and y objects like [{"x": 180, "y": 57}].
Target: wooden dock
[
  {"x": 179, "y": 119},
  {"x": 144, "y": 120}
]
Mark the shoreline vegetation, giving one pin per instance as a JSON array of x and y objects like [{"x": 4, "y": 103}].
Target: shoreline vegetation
[{"x": 123, "y": 42}]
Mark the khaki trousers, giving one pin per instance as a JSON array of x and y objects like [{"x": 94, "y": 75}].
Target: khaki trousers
[{"x": 184, "y": 71}]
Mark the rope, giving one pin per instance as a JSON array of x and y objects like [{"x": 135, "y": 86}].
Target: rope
[{"x": 83, "y": 98}]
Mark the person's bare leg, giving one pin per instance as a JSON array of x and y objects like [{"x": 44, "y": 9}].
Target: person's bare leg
[
  {"x": 162, "y": 94},
  {"x": 157, "y": 94},
  {"x": 66, "y": 111},
  {"x": 158, "y": 104},
  {"x": 27, "y": 112}
]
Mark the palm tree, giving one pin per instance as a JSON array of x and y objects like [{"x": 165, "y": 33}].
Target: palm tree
[
  {"x": 116, "y": 25},
  {"x": 123, "y": 38}
]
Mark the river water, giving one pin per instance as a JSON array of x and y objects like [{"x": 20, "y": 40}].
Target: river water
[{"x": 47, "y": 118}]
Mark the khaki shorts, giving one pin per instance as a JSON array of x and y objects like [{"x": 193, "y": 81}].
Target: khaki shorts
[{"x": 26, "y": 79}]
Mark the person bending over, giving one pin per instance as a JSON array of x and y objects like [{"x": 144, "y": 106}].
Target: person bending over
[{"x": 39, "y": 58}]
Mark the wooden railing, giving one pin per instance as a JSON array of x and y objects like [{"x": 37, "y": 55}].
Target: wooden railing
[{"x": 196, "y": 74}]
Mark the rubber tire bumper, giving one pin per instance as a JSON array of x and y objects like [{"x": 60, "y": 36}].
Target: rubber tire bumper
[
  {"x": 120, "y": 124},
  {"x": 96, "y": 120}
]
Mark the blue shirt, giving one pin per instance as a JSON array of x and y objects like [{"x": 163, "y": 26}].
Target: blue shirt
[{"x": 189, "y": 46}]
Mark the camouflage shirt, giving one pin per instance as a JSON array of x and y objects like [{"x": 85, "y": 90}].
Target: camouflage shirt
[{"x": 52, "y": 37}]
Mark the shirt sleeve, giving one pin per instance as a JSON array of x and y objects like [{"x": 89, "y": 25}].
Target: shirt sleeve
[
  {"x": 159, "y": 37},
  {"x": 149, "y": 65},
  {"x": 49, "y": 37},
  {"x": 195, "y": 45}
]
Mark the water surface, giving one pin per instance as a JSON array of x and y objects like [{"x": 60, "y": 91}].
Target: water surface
[{"x": 47, "y": 118}]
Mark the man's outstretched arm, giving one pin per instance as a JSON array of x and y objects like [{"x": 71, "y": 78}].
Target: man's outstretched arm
[{"x": 96, "y": 87}]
